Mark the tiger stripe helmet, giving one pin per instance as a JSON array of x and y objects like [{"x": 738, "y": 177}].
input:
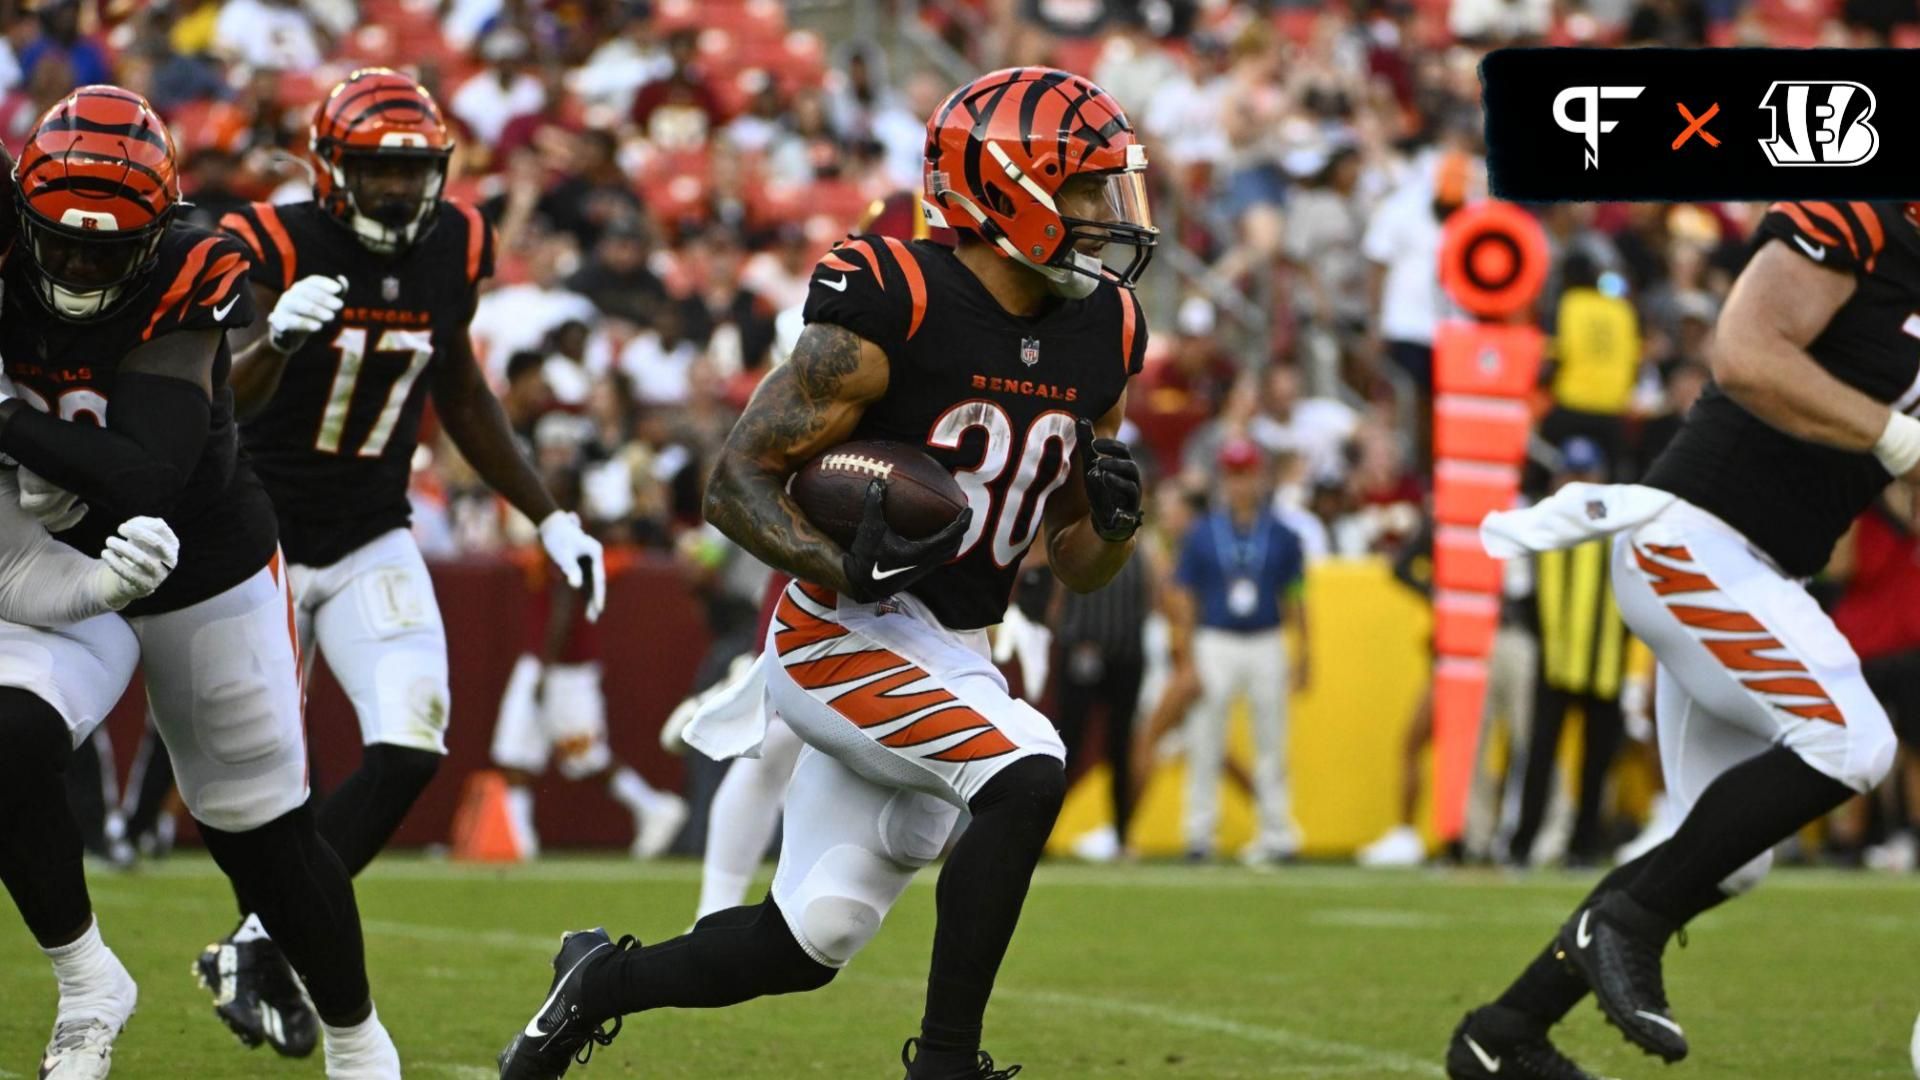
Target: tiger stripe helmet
[
  {"x": 96, "y": 185},
  {"x": 999, "y": 150},
  {"x": 379, "y": 114}
]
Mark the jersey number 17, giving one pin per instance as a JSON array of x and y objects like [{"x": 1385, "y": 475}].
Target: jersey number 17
[{"x": 351, "y": 344}]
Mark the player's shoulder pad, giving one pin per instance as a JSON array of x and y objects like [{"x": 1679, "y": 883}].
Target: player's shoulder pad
[
  {"x": 873, "y": 286},
  {"x": 202, "y": 283},
  {"x": 476, "y": 238},
  {"x": 262, "y": 227},
  {"x": 1847, "y": 236}
]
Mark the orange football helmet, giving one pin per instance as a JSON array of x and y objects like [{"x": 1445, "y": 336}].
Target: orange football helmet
[
  {"x": 97, "y": 185},
  {"x": 380, "y": 149},
  {"x": 1001, "y": 149}
]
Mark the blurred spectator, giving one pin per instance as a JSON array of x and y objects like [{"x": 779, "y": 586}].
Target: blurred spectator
[
  {"x": 1315, "y": 428},
  {"x": 678, "y": 109},
  {"x": 619, "y": 66},
  {"x": 527, "y": 397},
  {"x": 733, "y": 323},
  {"x": 1596, "y": 361},
  {"x": 616, "y": 277},
  {"x": 1325, "y": 222},
  {"x": 1672, "y": 24},
  {"x": 809, "y": 147},
  {"x": 1184, "y": 116},
  {"x": 500, "y": 92},
  {"x": 764, "y": 117},
  {"x": 52, "y": 79},
  {"x": 594, "y": 193},
  {"x": 1500, "y": 22},
  {"x": 1100, "y": 648},
  {"x": 514, "y": 318},
  {"x": 276, "y": 34},
  {"x": 60, "y": 36},
  {"x": 1239, "y": 579},
  {"x": 1403, "y": 243}
]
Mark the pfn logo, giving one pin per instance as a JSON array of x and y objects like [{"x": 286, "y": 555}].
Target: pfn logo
[
  {"x": 1820, "y": 123},
  {"x": 1589, "y": 125}
]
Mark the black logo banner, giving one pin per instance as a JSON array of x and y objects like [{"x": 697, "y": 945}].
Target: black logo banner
[{"x": 1699, "y": 124}]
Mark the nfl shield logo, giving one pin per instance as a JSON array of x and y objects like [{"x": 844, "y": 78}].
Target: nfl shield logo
[
  {"x": 1029, "y": 351},
  {"x": 390, "y": 289}
]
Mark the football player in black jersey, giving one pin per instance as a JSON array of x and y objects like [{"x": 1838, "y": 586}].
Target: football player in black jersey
[
  {"x": 113, "y": 332},
  {"x": 370, "y": 287},
  {"x": 1007, "y": 359},
  {"x": 1765, "y": 720}
]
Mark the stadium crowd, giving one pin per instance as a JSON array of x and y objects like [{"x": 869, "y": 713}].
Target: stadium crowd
[{"x": 664, "y": 175}]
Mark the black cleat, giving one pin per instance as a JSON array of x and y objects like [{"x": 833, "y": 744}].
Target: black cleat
[
  {"x": 257, "y": 995},
  {"x": 1496, "y": 1043},
  {"x": 558, "y": 1035},
  {"x": 1616, "y": 944},
  {"x": 980, "y": 1069}
]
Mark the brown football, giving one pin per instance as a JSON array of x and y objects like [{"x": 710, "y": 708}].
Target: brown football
[{"x": 922, "y": 497}]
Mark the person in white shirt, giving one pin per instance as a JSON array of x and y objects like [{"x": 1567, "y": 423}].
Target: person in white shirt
[
  {"x": 276, "y": 34},
  {"x": 486, "y": 102}
]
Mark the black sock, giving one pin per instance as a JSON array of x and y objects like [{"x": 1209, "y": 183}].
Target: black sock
[
  {"x": 728, "y": 957},
  {"x": 304, "y": 898},
  {"x": 151, "y": 783},
  {"x": 40, "y": 850},
  {"x": 1549, "y": 988},
  {"x": 364, "y": 812},
  {"x": 1744, "y": 812},
  {"x": 981, "y": 890}
]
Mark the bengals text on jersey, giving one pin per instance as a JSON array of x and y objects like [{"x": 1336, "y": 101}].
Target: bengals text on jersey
[
  {"x": 335, "y": 444},
  {"x": 67, "y": 368},
  {"x": 993, "y": 397},
  {"x": 1792, "y": 498}
]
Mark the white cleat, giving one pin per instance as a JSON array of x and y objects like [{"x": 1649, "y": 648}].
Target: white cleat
[
  {"x": 658, "y": 826},
  {"x": 1400, "y": 846},
  {"x": 81, "y": 1049}
]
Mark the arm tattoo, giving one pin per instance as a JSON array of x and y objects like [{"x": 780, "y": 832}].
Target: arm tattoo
[{"x": 746, "y": 499}]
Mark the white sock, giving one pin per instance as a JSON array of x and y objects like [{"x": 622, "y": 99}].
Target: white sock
[
  {"x": 520, "y": 814},
  {"x": 740, "y": 824},
  {"x": 93, "y": 983},
  {"x": 631, "y": 790},
  {"x": 365, "y": 1049},
  {"x": 251, "y": 929},
  {"x": 720, "y": 890}
]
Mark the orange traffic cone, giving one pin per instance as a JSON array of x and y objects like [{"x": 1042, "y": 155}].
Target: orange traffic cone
[{"x": 482, "y": 829}]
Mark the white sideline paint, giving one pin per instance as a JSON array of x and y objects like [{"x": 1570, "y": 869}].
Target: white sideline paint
[{"x": 461, "y": 1072}]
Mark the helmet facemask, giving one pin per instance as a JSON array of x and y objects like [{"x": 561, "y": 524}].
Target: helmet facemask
[
  {"x": 84, "y": 263},
  {"x": 387, "y": 197}
]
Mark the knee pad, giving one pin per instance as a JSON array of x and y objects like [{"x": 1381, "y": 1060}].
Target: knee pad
[
  {"x": 837, "y": 908},
  {"x": 1748, "y": 877},
  {"x": 787, "y": 966},
  {"x": 36, "y": 739}
]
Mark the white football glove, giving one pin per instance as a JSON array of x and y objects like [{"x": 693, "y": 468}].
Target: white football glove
[
  {"x": 136, "y": 561},
  {"x": 306, "y": 306},
  {"x": 54, "y": 507},
  {"x": 568, "y": 545}
]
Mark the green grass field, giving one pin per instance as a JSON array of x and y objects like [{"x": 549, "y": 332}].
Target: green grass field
[{"x": 1162, "y": 971}]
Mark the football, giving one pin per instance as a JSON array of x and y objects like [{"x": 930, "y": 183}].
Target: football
[{"x": 922, "y": 498}]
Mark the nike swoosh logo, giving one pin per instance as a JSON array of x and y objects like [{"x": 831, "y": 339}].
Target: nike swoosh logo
[
  {"x": 1814, "y": 251},
  {"x": 1661, "y": 1020},
  {"x": 220, "y": 312},
  {"x": 882, "y": 575},
  {"x": 1487, "y": 1061},
  {"x": 841, "y": 285},
  {"x": 1580, "y": 935},
  {"x": 533, "y": 1026}
]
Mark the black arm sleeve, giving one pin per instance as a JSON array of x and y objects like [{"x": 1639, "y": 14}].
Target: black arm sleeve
[{"x": 138, "y": 464}]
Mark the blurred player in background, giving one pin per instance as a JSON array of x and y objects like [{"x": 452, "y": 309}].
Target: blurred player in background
[
  {"x": 114, "y": 333},
  {"x": 554, "y": 709},
  {"x": 1040, "y": 173},
  {"x": 370, "y": 287},
  {"x": 1765, "y": 720}
]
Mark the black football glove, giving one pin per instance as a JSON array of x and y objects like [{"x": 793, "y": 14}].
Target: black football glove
[
  {"x": 1113, "y": 485},
  {"x": 881, "y": 562}
]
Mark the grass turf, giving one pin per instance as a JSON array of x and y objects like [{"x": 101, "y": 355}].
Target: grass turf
[{"x": 1162, "y": 971}]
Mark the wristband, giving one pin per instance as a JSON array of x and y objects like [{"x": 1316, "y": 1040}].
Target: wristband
[{"x": 1899, "y": 445}]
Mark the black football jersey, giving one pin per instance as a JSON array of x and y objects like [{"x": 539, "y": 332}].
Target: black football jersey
[
  {"x": 199, "y": 282},
  {"x": 994, "y": 397},
  {"x": 1793, "y": 499},
  {"x": 336, "y": 442}
]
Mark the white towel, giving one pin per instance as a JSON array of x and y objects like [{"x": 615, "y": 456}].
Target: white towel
[
  {"x": 732, "y": 720},
  {"x": 1573, "y": 515}
]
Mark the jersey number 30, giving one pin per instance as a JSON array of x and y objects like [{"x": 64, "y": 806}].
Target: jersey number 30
[
  {"x": 416, "y": 345},
  {"x": 976, "y": 482}
]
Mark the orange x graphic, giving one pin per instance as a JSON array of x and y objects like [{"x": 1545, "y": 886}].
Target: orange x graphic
[{"x": 1697, "y": 125}]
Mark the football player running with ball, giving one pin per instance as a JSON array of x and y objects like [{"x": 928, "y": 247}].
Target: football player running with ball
[
  {"x": 1007, "y": 361},
  {"x": 371, "y": 286},
  {"x": 113, "y": 330},
  {"x": 1765, "y": 721}
]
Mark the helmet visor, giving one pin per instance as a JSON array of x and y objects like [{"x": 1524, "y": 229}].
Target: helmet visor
[
  {"x": 393, "y": 188},
  {"x": 88, "y": 260},
  {"x": 1107, "y": 217}
]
